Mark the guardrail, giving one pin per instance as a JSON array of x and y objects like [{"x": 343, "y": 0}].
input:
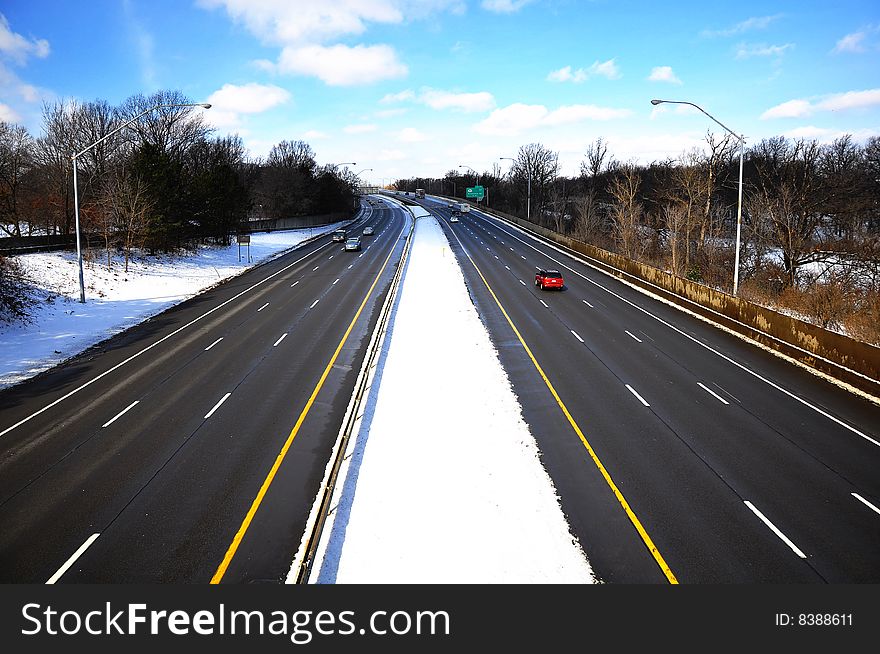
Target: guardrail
[{"x": 301, "y": 568}]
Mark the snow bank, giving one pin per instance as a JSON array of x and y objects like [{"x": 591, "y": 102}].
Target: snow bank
[
  {"x": 62, "y": 327},
  {"x": 444, "y": 484}
]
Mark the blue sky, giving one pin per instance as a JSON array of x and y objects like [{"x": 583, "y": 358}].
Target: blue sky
[{"x": 418, "y": 87}]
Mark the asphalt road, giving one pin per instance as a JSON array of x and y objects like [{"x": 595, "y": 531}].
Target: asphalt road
[
  {"x": 730, "y": 464},
  {"x": 191, "y": 448}
]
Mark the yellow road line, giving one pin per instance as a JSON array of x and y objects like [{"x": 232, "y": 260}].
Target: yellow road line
[
  {"x": 620, "y": 498},
  {"x": 233, "y": 548}
]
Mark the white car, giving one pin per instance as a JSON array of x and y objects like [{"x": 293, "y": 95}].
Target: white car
[
  {"x": 454, "y": 219},
  {"x": 368, "y": 230}
]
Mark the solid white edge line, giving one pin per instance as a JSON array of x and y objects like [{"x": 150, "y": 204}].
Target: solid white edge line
[
  {"x": 865, "y": 502},
  {"x": 213, "y": 344},
  {"x": 283, "y": 336},
  {"x": 263, "y": 307},
  {"x": 217, "y": 406},
  {"x": 119, "y": 415},
  {"x": 160, "y": 341},
  {"x": 712, "y": 393},
  {"x": 576, "y": 335},
  {"x": 685, "y": 334},
  {"x": 633, "y": 335},
  {"x": 64, "y": 568},
  {"x": 638, "y": 397},
  {"x": 794, "y": 548},
  {"x": 314, "y": 303}
]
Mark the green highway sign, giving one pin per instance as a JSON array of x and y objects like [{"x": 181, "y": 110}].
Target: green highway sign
[{"x": 477, "y": 192}]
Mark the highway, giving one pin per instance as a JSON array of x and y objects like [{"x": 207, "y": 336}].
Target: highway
[
  {"x": 191, "y": 447},
  {"x": 680, "y": 453}
]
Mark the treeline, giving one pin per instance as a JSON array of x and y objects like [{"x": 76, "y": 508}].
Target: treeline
[
  {"x": 162, "y": 183},
  {"x": 810, "y": 237}
]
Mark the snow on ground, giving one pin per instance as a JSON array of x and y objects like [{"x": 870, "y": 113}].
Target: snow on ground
[
  {"x": 62, "y": 327},
  {"x": 444, "y": 484}
]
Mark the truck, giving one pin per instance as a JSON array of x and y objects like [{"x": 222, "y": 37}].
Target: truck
[
  {"x": 464, "y": 207},
  {"x": 420, "y": 192}
]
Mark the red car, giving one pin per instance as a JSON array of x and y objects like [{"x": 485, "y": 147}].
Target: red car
[{"x": 545, "y": 279}]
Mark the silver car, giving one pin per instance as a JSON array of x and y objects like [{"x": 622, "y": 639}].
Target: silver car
[{"x": 353, "y": 244}]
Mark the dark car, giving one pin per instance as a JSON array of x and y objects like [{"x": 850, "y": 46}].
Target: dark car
[
  {"x": 545, "y": 279},
  {"x": 339, "y": 235}
]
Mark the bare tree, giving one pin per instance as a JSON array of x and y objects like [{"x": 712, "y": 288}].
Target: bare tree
[
  {"x": 541, "y": 165},
  {"x": 626, "y": 211},
  {"x": 16, "y": 161},
  {"x": 170, "y": 129}
]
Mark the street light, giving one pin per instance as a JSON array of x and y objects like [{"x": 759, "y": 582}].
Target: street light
[
  {"x": 529, "y": 194},
  {"x": 476, "y": 174},
  {"x": 82, "y": 287},
  {"x": 742, "y": 142}
]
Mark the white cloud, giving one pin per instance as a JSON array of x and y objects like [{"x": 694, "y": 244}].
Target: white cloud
[
  {"x": 518, "y": 117},
  {"x": 858, "y": 41},
  {"x": 828, "y": 135},
  {"x": 663, "y": 74},
  {"x": 851, "y": 43},
  {"x": 411, "y": 135},
  {"x": 746, "y": 50},
  {"x": 504, "y": 6},
  {"x": 8, "y": 115},
  {"x": 230, "y": 101},
  {"x": 467, "y": 102},
  {"x": 850, "y": 100},
  {"x": 249, "y": 98},
  {"x": 837, "y": 102},
  {"x": 439, "y": 99},
  {"x": 303, "y": 30},
  {"x": 790, "y": 109},
  {"x": 359, "y": 129},
  {"x": 398, "y": 97},
  {"x": 754, "y": 23},
  {"x": 607, "y": 69},
  {"x": 18, "y": 48},
  {"x": 342, "y": 65},
  {"x": 315, "y": 135}
]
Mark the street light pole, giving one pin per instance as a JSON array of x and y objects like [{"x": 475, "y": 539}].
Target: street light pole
[
  {"x": 529, "y": 192},
  {"x": 73, "y": 158},
  {"x": 742, "y": 142}
]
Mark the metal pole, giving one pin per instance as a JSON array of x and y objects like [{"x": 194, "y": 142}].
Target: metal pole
[
  {"x": 742, "y": 142},
  {"x": 738, "y": 216},
  {"x": 79, "y": 258}
]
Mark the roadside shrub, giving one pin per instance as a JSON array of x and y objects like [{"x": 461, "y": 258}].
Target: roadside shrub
[{"x": 14, "y": 291}]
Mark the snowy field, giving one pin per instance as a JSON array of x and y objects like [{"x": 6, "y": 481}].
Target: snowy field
[
  {"x": 444, "y": 484},
  {"x": 62, "y": 327}
]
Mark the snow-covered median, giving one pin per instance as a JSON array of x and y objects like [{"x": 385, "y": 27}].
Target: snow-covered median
[
  {"x": 444, "y": 484},
  {"x": 61, "y": 326}
]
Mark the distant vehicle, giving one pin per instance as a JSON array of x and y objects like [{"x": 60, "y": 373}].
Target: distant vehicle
[
  {"x": 420, "y": 192},
  {"x": 454, "y": 218},
  {"x": 339, "y": 235},
  {"x": 545, "y": 279},
  {"x": 353, "y": 244},
  {"x": 464, "y": 207},
  {"x": 368, "y": 230}
]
